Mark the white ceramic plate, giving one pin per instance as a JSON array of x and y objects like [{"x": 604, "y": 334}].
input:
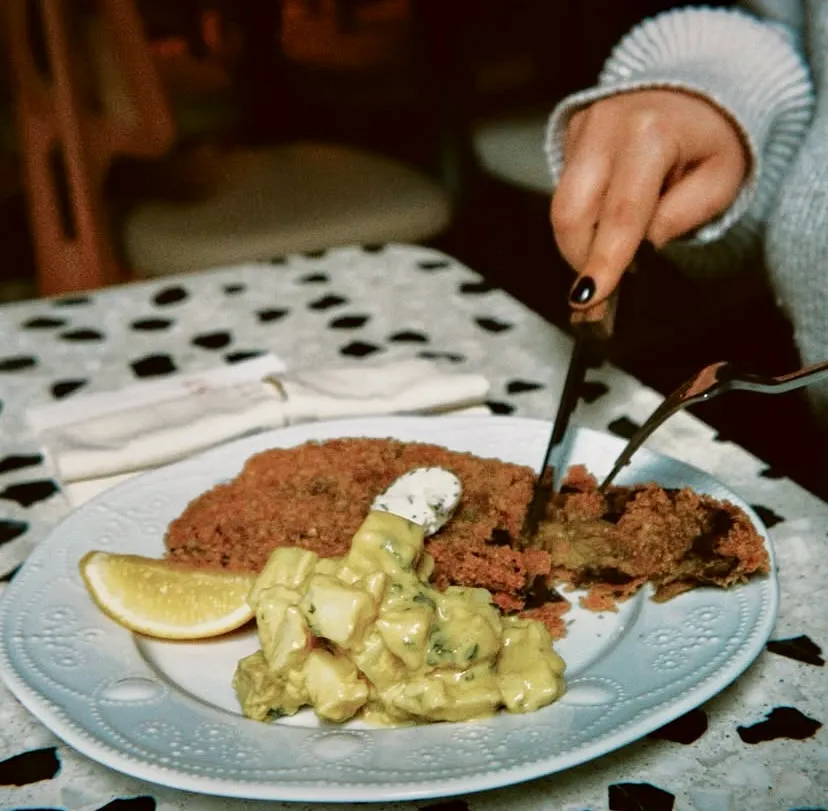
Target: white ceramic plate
[{"x": 165, "y": 712}]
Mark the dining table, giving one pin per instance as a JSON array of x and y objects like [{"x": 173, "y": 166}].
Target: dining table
[{"x": 760, "y": 743}]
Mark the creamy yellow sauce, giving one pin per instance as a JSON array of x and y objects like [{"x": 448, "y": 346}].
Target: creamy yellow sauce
[{"x": 366, "y": 636}]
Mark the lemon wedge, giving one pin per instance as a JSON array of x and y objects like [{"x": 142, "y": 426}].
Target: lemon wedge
[{"x": 167, "y": 600}]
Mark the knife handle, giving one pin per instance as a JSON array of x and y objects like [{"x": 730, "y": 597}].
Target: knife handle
[{"x": 596, "y": 323}]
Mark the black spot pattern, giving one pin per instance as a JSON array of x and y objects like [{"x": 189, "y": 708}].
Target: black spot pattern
[
  {"x": 213, "y": 340},
  {"x": 314, "y": 278},
  {"x": 801, "y": 648},
  {"x": 9, "y": 576},
  {"x": 243, "y": 354},
  {"x": 408, "y": 337},
  {"x": 169, "y": 295},
  {"x": 270, "y": 315},
  {"x": 359, "y": 349},
  {"x": 349, "y": 322},
  {"x": 234, "y": 289},
  {"x": 30, "y": 767},
  {"x": 17, "y": 363},
  {"x": 498, "y": 407},
  {"x": 82, "y": 335},
  {"x": 623, "y": 427},
  {"x": 27, "y": 493},
  {"x": 142, "y": 803},
  {"x": 686, "y": 729},
  {"x": 378, "y": 248},
  {"x": 446, "y": 805},
  {"x": 71, "y": 301},
  {"x": 9, "y": 530},
  {"x": 277, "y": 260},
  {"x": 153, "y": 366},
  {"x": 722, "y": 436},
  {"x": 475, "y": 288},
  {"x": 454, "y": 357},
  {"x": 521, "y": 386},
  {"x": 768, "y": 516},
  {"x": 44, "y": 323},
  {"x": 151, "y": 324},
  {"x": 639, "y": 797},
  {"x": 18, "y": 462},
  {"x": 492, "y": 324},
  {"x": 327, "y": 302},
  {"x": 591, "y": 390},
  {"x": 63, "y": 388},
  {"x": 432, "y": 264},
  {"x": 781, "y": 722},
  {"x": 315, "y": 254}
]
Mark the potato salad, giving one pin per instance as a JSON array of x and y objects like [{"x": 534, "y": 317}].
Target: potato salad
[{"x": 365, "y": 635}]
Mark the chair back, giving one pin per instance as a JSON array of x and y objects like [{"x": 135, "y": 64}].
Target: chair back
[{"x": 85, "y": 89}]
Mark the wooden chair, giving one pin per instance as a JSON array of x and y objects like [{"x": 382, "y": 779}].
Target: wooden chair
[
  {"x": 76, "y": 114},
  {"x": 85, "y": 90}
]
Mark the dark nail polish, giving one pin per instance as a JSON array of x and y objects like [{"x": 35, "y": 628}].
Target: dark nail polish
[{"x": 583, "y": 291}]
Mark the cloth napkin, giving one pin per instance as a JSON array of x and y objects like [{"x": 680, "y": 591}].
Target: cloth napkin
[{"x": 99, "y": 439}]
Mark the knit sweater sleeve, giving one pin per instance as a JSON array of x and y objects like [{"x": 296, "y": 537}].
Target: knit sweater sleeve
[{"x": 750, "y": 68}]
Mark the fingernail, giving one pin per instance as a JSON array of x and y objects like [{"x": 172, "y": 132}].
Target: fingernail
[{"x": 583, "y": 290}]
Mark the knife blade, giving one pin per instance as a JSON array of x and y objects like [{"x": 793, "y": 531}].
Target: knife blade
[{"x": 592, "y": 329}]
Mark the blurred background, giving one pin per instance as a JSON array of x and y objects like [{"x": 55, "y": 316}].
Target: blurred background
[{"x": 202, "y": 132}]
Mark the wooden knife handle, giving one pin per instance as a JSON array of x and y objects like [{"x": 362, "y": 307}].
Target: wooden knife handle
[{"x": 596, "y": 323}]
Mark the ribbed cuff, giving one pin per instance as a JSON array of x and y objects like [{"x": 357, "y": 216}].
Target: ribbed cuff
[{"x": 750, "y": 69}]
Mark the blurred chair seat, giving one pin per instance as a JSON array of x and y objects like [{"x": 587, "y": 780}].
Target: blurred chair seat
[
  {"x": 510, "y": 148},
  {"x": 294, "y": 197}
]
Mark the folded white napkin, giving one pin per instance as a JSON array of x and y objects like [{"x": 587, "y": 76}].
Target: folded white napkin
[{"x": 99, "y": 439}]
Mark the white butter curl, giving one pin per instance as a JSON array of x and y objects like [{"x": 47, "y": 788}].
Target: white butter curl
[{"x": 426, "y": 495}]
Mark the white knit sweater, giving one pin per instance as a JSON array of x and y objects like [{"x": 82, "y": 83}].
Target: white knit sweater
[{"x": 765, "y": 66}]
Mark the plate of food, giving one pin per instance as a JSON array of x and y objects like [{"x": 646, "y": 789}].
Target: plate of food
[{"x": 387, "y": 633}]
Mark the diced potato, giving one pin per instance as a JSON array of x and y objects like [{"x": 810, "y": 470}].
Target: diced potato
[
  {"x": 257, "y": 687},
  {"x": 421, "y": 697},
  {"x": 334, "y": 686},
  {"x": 466, "y": 630},
  {"x": 336, "y": 611},
  {"x": 405, "y": 631},
  {"x": 530, "y": 672},
  {"x": 385, "y": 542},
  {"x": 532, "y": 687},
  {"x": 376, "y": 661},
  {"x": 287, "y": 566},
  {"x": 523, "y": 642},
  {"x": 375, "y": 584},
  {"x": 328, "y": 566},
  {"x": 283, "y": 633}
]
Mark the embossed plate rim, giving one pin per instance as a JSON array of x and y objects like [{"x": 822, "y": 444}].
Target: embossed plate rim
[{"x": 349, "y": 781}]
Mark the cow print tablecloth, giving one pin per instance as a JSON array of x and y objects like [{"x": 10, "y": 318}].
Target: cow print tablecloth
[{"x": 759, "y": 745}]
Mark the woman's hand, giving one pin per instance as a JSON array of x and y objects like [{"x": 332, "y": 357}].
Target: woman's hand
[{"x": 649, "y": 164}]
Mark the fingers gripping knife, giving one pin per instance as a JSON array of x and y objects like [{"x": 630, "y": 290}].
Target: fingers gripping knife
[{"x": 592, "y": 328}]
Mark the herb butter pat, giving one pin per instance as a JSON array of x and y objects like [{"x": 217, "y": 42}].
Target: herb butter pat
[{"x": 426, "y": 496}]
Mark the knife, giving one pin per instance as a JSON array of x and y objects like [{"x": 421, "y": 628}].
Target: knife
[{"x": 592, "y": 329}]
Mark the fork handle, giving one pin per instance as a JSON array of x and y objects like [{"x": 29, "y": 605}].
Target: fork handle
[{"x": 777, "y": 385}]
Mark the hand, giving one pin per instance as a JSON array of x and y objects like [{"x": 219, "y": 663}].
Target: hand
[{"x": 649, "y": 164}]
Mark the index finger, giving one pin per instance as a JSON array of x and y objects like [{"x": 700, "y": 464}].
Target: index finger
[{"x": 629, "y": 205}]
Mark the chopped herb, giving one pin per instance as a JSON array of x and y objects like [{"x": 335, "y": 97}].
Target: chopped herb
[
  {"x": 472, "y": 652},
  {"x": 424, "y": 598}
]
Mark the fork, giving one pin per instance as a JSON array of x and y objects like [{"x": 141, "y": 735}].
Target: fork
[{"x": 711, "y": 381}]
